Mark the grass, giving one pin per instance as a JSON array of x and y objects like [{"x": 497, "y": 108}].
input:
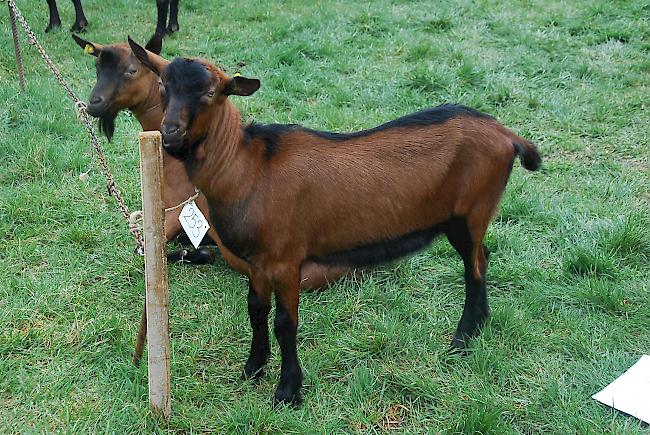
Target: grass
[{"x": 569, "y": 271}]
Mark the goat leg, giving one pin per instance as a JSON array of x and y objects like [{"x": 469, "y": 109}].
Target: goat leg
[
  {"x": 55, "y": 21},
  {"x": 80, "y": 22},
  {"x": 162, "y": 6},
  {"x": 142, "y": 336},
  {"x": 285, "y": 329},
  {"x": 259, "y": 306},
  {"x": 173, "y": 17}
]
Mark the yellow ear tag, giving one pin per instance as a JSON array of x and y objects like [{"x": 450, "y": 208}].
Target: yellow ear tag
[
  {"x": 237, "y": 75},
  {"x": 89, "y": 49}
]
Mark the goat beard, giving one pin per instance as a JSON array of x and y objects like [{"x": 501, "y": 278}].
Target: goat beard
[
  {"x": 107, "y": 125},
  {"x": 186, "y": 150}
]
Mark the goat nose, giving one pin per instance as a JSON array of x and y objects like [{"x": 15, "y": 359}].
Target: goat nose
[
  {"x": 169, "y": 129},
  {"x": 95, "y": 100}
]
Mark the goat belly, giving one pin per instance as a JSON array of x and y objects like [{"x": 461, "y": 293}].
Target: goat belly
[{"x": 381, "y": 251}]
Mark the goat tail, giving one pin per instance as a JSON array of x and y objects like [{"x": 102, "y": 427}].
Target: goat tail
[{"x": 527, "y": 152}]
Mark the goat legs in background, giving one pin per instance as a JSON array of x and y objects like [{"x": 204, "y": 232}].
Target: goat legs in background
[
  {"x": 172, "y": 26},
  {"x": 163, "y": 6},
  {"x": 55, "y": 20},
  {"x": 80, "y": 23}
]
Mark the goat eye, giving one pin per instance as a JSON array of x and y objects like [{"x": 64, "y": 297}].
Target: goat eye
[
  {"x": 131, "y": 72},
  {"x": 210, "y": 94}
]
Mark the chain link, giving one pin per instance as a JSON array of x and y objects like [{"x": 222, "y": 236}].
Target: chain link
[{"x": 82, "y": 114}]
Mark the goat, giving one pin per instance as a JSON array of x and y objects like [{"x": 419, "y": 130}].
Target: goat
[
  {"x": 80, "y": 22},
  {"x": 123, "y": 84},
  {"x": 281, "y": 195}
]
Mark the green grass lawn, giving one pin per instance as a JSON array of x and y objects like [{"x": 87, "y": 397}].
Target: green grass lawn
[{"x": 569, "y": 273}]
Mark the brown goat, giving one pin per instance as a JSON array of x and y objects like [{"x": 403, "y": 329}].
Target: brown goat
[
  {"x": 282, "y": 195},
  {"x": 123, "y": 84}
]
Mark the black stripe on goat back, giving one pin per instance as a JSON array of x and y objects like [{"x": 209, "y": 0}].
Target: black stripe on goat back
[
  {"x": 272, "y": 133},
  {"x": 435, "y": 115}
]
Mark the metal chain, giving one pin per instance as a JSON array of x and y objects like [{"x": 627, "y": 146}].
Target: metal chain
[{"x": 82, "y": 114}]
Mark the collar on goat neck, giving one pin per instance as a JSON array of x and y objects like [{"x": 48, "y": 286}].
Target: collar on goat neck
[
  {"x": 149, "y": 111},
  {"x": 222, "y": 167}
]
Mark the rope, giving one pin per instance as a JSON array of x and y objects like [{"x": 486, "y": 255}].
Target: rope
[
  {"x": 19, "y": 56},
  {"x": 134, "y": 220},
  {"x": 136, "y": 217},
  {"x": 83, "y": 116},
  {"x": 187, "y": 201}
]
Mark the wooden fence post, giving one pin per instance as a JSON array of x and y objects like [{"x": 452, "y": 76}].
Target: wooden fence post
[{"x": 155, "y": 265}]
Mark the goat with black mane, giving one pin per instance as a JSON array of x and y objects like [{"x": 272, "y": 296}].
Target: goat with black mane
[{"x": 283, "y": 195}]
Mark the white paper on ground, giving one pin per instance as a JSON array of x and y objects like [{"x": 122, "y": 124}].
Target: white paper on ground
[
  {"x": 194, "y": 223},
  {"x": 630, "y": 392}
]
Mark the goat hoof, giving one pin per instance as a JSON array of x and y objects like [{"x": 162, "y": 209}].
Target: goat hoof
[
  {"x": 254, "y": 375},
  {"x": 253, "y": 371},
  {"x": 171, "y": 28},
  {"x": 459, "y": 345},
  {"x": 254, "y": 367},
  {"x": 79, "y": 27},
  {"x": 52, "y": 25},
  {"x": 203, "y": 256},
  {"x": 199, "y": 256},
  {"x": 177, "y": 256},
  {"x": 287, "y": 395},
  {"x": 468, "y": 328}
]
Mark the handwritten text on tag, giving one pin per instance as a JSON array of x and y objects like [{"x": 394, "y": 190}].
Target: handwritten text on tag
[{"x": 194, "y": 223}]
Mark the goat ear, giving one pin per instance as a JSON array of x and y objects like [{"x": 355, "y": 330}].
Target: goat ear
[
  {"x": 151, "y": 60},
  {"x": 242, "y": 86},
  {"x": 89, "y": 47},
  {"x": 155, "y": 43}
]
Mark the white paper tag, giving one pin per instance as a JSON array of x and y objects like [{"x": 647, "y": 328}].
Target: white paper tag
[
  {"x": 630, "y": 392},
  {"x": 194, "y": 223}
]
